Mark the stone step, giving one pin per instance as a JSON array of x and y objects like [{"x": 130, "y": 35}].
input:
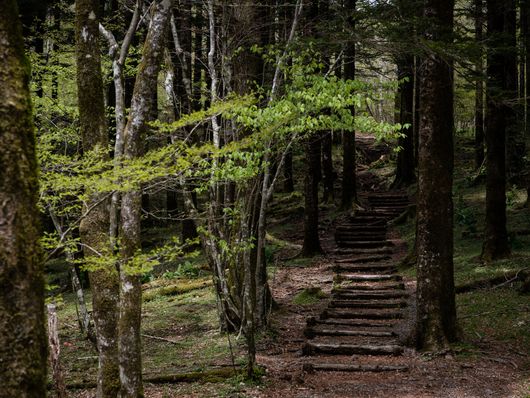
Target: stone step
[{"x": 350, "y": 349}]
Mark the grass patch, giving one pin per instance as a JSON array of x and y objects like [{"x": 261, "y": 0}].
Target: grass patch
[{"x": 309, "y": 296}]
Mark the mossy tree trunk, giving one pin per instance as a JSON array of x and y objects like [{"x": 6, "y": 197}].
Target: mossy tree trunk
[
  {"x": 495, "y": 235},
  {"x": 349, "y": 180},
  {"x": 94, "y": 229},
  {"x": 130, "y": 361},
  {"x": 22, "y": 333},
  {"x": 436, "y": 310}
]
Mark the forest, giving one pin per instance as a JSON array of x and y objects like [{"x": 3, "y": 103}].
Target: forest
[{"x": 214, "y": 198}]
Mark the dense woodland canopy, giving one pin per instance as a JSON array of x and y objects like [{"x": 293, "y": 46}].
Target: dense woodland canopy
[{"x": 186, "y": 184}]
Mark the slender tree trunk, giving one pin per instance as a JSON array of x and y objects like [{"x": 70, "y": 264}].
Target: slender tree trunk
[
  {"x": 94, "y": 228},
  {"x": 55, "y": 352},
  {"x": 130, "y": 360},
  {"x": 479, "y": 86},
  {"x": 405, "y": 174},
  {"x": 525, "y": 14},
  {"x": 311, "y": 244},
  {"x": 436, "y": 310},
  {"x": 22, "y": 333},
  {"x": 328, "y": 175},
  {"x": 349, "y": 180},
  {"x": 515, "y": 139},
  {"x": 417, "y": 104},
  {"x": 495, "y": 234},
  {"x": 288, "y": 185}
]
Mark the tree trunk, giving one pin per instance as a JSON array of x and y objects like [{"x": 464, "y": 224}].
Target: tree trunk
[
  {"x": 525, "y": 14},
  {"x": 515, "y": 138},
  {"x": 349, "y": 180},
  {"x": 130, "y": 362},
  {"x": 22, "y": 334},
  {"x": 94, "y": 229},
  {"x": 405, "y": 174},
  {"x": 55, "y": 352},
  {"x": 495, "y": 235},
  {"x": 328, "y": 175},
  {"x": 479, "y": 86},
  {"x": 311, "y": 244},
  {"x": 436, "y": 310},
  {"x": 288, "y": 185}
]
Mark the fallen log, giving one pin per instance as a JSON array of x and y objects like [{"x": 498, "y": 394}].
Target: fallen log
[
  {"x": 350, "y": 349},
  {"x": 326, "y": 314},
  {"x": 208, "y": 376},
  {"x": 493, "y": 282},
  {"x": 311, "y": 333},
  {"x": 361, "y": 260},
  {"x": 355, "y": 303},
  {"x": 341, "y": 367},
  {"x": 312, "y": 321}
]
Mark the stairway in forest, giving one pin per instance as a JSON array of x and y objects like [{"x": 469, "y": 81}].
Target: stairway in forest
[{"x": 357, "y": 331}]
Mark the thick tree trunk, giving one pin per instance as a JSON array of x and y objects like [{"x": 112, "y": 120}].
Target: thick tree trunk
[
  {"x": 94, "y": 228},
  {"x": 22, "y": 333},
  {"x": 479, "y": 86},
  {"x": 405, "y": 174},
  {"x": 130, "y": 362},
  {"x": 311, "y": 244},
  {"x": 436, "y": 310},
  {"x": 495, "y": 234},
  {"x": 349, "y": 180}
]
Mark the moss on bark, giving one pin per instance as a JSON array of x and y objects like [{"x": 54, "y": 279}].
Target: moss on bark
[{"x": 22, "y": 334}]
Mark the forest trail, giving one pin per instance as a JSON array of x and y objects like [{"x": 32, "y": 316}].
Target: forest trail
[{"x": 359, "y": 329}]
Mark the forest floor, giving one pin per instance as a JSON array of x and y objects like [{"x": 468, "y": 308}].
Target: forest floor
[{"x": 181, "y": 336}]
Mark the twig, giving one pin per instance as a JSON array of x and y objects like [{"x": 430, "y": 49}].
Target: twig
[{"x": 160, "y": 338}]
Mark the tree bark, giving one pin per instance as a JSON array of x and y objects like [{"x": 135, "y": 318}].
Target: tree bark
[
  {"x": 22, "y": 334},
  {"x": 349, "y": 180},
  {"x": 515, "y": 138},
  {"x": 94, "y": 229},
  {"x": 405, "y": 173},
  {"x": 495, "y": 235},
  {"x": 328, "y": 175},
  {"x": 436, "y": 310},
  {"x": 311, "y": 245},
  {"x": 130, "y": 362},
  {"x": 479, "y": 86}
]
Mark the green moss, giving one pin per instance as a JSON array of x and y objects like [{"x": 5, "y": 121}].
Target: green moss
[{"x": 309, "y": 296}]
